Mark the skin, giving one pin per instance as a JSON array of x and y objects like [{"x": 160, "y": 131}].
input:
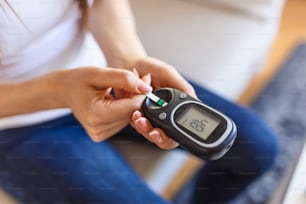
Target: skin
[{"x": 86, "y": 90}]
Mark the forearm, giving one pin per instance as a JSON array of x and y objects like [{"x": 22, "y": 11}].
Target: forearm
[
  {"x": 30, "y": 96},
  {"x": 113, "y": 26}
]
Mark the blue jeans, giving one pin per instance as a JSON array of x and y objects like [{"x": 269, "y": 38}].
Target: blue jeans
[{"x": 56, "y": 162}]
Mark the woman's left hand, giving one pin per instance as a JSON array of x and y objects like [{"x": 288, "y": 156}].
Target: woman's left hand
[{"x": 162, "y": 75}]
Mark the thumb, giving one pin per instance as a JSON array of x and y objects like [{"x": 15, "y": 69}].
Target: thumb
[{"x": 119, "y": 79}]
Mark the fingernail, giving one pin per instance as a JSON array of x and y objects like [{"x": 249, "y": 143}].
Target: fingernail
[
  {"x": 144, "y": 88},
  {"x": 141, "y": 124},
  {"x": 156, "y": 137},
  {"x": 136, "y": 115},
  {"x": 147, "y": 78},
  {"x": 135, "y": 72}
]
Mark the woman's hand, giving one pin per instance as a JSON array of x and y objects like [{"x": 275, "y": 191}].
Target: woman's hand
[
  {"x": 163, "y": 75},
  {"x": 87, "y": 92}
]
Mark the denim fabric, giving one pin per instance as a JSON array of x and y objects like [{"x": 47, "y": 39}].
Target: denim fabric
[{"x": 56, "y": 162}]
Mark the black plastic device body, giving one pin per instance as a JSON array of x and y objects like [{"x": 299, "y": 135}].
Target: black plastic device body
[{"x": 197, "y": 127}]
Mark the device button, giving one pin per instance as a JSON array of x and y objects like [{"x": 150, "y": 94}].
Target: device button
[
  {"x": 162, "y": 116},
  {"x": 183, "y": 95}
]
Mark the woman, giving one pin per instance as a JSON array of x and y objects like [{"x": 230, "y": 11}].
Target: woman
[{"x": 51, "y": 67}]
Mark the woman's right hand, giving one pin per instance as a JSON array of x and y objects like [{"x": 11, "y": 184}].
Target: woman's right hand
[{"x": 87, "y": 92}]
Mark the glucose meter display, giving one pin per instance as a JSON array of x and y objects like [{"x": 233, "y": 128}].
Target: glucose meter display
[{"x": 198, "y": 122}]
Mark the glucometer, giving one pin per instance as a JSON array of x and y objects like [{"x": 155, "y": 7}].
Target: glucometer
[{"x": 197, "y": 127}]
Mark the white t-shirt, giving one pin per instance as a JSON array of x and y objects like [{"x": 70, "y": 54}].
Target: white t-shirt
[{"x": 50, "y": 39}]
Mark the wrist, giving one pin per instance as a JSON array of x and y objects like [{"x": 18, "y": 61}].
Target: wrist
[
  {"x": 54, "y": 87},
  {"x": 30, "y": 96},
  {"x": 127, "y": 62},
  {"x": 124, "y": 53}
]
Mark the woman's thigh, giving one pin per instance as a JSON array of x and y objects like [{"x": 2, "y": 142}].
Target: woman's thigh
[{"x": 56, "y": 162}]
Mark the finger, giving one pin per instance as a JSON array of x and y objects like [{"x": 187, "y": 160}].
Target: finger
[
  {"x": 166, "y": 75},
  {"x": 136, "y": 72},
  {"x": 123, "y": 94},
  {"x": 147, "y": 79},
  {"x": 137, "y": 114},
  {"x": 119, "y": 79},
  {"x": 161, "y": 139},
  {"x": 156, "y": 135},
  {"x": 143, "y": 127},
  {"x": 141, "y": 124}
]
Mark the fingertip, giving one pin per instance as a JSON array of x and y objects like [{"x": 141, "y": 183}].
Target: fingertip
[
  {"x": 144, "y": 88},
  {"x": 147, "y": 79},
  {"x": 156, "y": 137},
  {"x": 144, "y": 85},
  {"x": 142, "y": 125},
  {"x": 135, "y": 72},
  {"x": 136, "y": 115},
  {"x": 161, "y": 139}
]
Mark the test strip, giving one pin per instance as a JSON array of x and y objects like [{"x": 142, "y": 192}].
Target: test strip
[{"x": 157, "y": 100}]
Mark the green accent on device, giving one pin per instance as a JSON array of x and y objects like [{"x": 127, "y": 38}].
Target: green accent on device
[{"x": 160, "y": 102}]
